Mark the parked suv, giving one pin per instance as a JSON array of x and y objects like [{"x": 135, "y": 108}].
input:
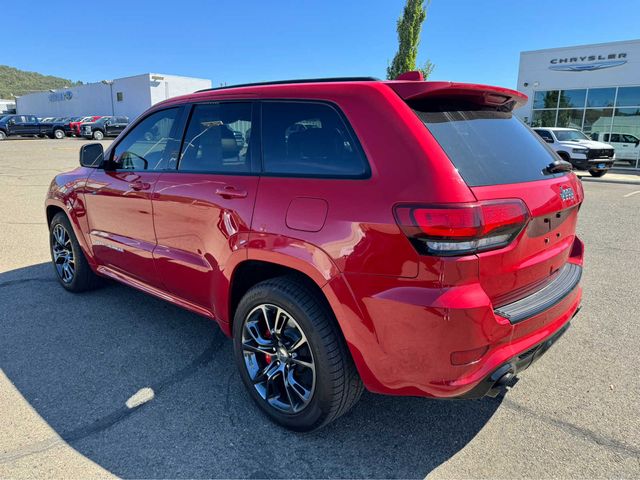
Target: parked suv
[
  {"x": 576, "y": 148},
  {"x": 627, "y": 146},
  {"x": 410, "y": 237},
  {"x": 109, "y": 126}
]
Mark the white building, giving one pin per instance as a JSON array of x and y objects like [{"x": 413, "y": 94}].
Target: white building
[
  {"x": 129, "y": 96},
  {"x": 595, "y": 88},
  {"x": 7, "y": 106}
]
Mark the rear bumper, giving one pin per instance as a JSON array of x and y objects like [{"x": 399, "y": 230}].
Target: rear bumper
[
  {"x": 505, "y": 375},
  {"x": 403, "y": 334}
]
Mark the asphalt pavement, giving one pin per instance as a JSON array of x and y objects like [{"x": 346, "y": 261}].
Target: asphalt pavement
[{"x": 70, "y": 362}]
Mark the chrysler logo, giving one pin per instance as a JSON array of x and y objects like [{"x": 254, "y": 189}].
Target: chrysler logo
[
  {"x": 586, "y": 67},
  {"x": 566, "y": 193},
  {"x": 586, "y": 63}
]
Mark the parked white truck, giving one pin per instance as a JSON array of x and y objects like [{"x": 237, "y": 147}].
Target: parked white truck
[
  {"x": 627, "y": 146},
  {"x": 576, "y": 148}
]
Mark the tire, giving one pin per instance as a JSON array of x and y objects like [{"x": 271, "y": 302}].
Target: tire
[
  {"x": 58, "y": 134},
  {"x": 98, "y": 135},
  {"x": 311, "y": 336},
  {"x": 3, "y": 135},
  {"x": 597, "y": 173},
  {"x": 81, "y": 278}
]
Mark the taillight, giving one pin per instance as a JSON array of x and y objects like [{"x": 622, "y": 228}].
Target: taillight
[{"x": 462, "y": 228}]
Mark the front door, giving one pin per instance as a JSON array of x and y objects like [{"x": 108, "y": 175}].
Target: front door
[
  {"x": 203, "y": 209},
  {"x": 118, "y": 198}
]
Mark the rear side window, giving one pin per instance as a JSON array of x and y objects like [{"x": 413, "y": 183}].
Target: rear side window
[
  {"x": 489, "y": 147},
  {"x": 217, "y": 139},
  {"x": 308, "y": 139}
]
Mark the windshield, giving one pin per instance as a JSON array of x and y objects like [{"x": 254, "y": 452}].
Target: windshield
[
  {"x": 489, "y": 147},
  {"x": 569, "y": 135}
]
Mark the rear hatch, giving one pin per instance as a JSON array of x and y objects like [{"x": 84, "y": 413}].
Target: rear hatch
[{"x": 502, "y": 160}]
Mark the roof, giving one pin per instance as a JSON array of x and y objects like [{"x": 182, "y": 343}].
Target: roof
[
  {"x": 555, "y": 128},
  {"x": 414, "y": 90}
]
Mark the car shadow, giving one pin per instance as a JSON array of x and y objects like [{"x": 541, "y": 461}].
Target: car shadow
[{"x": 77, "y": 358}]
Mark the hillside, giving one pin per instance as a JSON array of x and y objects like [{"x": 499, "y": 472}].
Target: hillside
[{"x": 19, "y": 82}]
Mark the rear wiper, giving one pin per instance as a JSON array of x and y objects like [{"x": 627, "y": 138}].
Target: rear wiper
[{"x": 557, "y": 166}]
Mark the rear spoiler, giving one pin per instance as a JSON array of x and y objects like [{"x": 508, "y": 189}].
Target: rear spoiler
[{"x": 503, "y": 98}]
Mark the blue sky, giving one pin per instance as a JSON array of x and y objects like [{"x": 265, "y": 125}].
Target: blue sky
[{"x": 245, "y": 41}]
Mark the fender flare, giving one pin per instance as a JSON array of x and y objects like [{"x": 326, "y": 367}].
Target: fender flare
[{"x": 74, "y": 220}]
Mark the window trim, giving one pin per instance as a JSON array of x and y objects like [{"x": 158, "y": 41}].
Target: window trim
[
  {"x": 108, "y": 157},
  {"x": 254, "y": 169},
  {"x": 354, "y": 138}
]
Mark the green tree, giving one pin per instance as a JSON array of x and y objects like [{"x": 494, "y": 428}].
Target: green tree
[
  {"x": 14, "y": 82},
  {"x": 409, "y": 28}
]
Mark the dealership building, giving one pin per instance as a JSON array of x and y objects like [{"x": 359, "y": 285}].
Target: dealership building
[
  {"x": 594, "y": 88},
  {"x": 129, "y": 96}
]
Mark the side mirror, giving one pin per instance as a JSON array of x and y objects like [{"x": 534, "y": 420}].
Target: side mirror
[
  {"x": 91, "y": 155},
  {"x": 11, "y": 122},
  {"x": 548, "y": 140}
]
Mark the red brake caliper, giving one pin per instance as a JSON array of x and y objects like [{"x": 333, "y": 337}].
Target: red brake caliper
[{"x": 267, "y": 357}]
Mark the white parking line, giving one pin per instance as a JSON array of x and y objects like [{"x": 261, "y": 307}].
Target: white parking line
[{"x": 632, "y": 193}]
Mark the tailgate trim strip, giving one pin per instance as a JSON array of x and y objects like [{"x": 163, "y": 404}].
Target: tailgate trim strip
[{"x": 551, "y": 294}]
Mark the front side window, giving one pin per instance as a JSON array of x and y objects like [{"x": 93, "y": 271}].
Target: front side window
[
  {"x": 151, "y": 145},
  {"x": 218, "y": 139},
  {"x": 309, "y": 139},
  {"x": 545, "y": 134}
]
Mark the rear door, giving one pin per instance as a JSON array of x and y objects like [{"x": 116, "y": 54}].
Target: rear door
[
  {"x": 204, "y": 207},
  {"x": 501, "y": 158},
  {"x": 118, "y": 198}
]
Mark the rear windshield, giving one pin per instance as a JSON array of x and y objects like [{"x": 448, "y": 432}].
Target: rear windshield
[{"x": 489, "y": 147}]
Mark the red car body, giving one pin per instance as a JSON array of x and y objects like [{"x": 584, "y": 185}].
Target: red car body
[
  {"x": 415, "y": 324},
  {"x": 75, "y": 126}
]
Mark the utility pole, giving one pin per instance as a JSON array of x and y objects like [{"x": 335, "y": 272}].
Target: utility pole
[{"x": 110, "y": 83}]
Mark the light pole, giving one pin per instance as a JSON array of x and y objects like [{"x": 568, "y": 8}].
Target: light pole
[{"x": 110, "y": 83}]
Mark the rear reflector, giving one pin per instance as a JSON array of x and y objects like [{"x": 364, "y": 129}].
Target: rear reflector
[
  {"x": 462, "y": 228},
  {"x": 466, "y": 357}
]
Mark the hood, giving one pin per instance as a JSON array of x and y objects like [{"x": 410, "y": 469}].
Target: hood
[{"x": 586, "y": 143}]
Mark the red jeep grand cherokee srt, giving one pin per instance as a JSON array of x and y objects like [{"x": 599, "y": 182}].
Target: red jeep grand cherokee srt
[{"x": 410, "y": 237}]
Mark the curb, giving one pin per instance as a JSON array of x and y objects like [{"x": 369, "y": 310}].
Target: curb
[{"x": 605, "y": 180}]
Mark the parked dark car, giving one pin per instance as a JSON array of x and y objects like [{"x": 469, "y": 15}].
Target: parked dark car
[
  {"x": 75, "y": 124},
  {"x": 104, "y": 127}
]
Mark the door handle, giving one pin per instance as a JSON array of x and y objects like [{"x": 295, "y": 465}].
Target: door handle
[
  {"x": 137, "y": 186},
  {"x": 229, "y": 192}
]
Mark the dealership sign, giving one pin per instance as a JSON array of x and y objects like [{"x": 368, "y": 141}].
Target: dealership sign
[
  {"x": 587, "y": 63},
  {"x": 61, "y": 96}
]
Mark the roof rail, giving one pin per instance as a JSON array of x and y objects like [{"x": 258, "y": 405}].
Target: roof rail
[{"x": 300, "y": 80}]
